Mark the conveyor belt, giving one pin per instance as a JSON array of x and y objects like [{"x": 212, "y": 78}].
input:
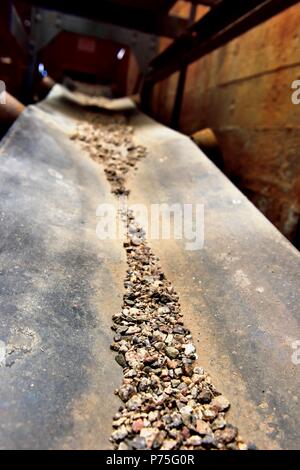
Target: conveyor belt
[
  {"x": 240, "y": 294},
  {"x": 59, "y": 289},
  {"x": 60, "y": 285}
]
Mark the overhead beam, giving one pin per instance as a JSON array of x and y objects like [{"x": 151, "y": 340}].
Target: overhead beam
[
  {"x": 209, "y": 3},
  {"x": 220, "y": 25},
  {"x": 166, "y": 5},
  {"x": 145, "y": 4},
  {"x": 137, "y": 19},
  {"x": 150, "y": 5}
]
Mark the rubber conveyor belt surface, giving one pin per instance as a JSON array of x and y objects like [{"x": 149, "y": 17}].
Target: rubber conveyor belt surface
[{"x": 60, "y": 285}]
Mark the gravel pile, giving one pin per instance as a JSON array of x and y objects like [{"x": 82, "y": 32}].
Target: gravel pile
[
  {"x": 168, "y": 401},
  {"x": 109, "y": 140}
]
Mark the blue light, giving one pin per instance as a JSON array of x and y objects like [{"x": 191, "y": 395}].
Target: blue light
[{"x": 41, "y": 68}]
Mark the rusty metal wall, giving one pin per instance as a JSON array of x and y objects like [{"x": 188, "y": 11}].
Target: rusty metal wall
[{"x": 243, "y": 92}]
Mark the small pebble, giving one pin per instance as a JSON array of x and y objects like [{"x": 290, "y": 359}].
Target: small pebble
[{"x": 168, "y": 402}]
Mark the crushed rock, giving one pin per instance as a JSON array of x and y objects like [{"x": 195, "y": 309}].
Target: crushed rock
[{"x": 168, "y": 402}]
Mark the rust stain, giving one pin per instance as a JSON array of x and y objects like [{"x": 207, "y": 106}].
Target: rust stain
[{"x": 243, "y": 93}]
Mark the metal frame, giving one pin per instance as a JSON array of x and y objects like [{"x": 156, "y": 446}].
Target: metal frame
[
  {"x": 46, "y": 25},
  {"x": 220, "y": 25},
  {"x": 151, "y": 21}
]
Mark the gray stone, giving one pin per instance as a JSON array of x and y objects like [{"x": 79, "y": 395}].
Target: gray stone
[{"x": 172, "y": 352}]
